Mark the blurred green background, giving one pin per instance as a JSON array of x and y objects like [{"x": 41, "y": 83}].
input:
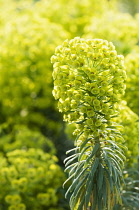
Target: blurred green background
[{"x": 33, "y": 137}]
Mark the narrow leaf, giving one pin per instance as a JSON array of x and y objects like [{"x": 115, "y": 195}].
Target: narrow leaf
[
  {"x": 83, "y": 151},
  {"x": 71, "y": 150},
  {"x": 76, "y": 194},
  {"x": 100, "y": 175},
  {"x": 84, "y": 143},
  {"x": 95, "y": 149},
  {"x": 71, "y": 160},
  {"x": 90, "y": 181},
  {"x": 66, "y": 159}
]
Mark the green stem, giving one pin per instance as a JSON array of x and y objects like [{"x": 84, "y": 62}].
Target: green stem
[{"x": 98, "y": 154}]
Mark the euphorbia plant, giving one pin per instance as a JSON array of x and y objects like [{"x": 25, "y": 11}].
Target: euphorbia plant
[{"x": 88, "y": 82}]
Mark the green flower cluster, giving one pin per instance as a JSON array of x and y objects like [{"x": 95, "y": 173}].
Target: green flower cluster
[
  {"x": 130, "y": 129},
  {"x": 22, "y": 137},
  {"x": 132, "y": 90},
  {"x": 75, "y": 14},
  {"x": 15, "y": 202},
  {"x": 29, "y": 179},
  {"x": 119, "y": 28},
  {"x": 27, "y": 43},
  {"x": 88, "y": 81}
]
